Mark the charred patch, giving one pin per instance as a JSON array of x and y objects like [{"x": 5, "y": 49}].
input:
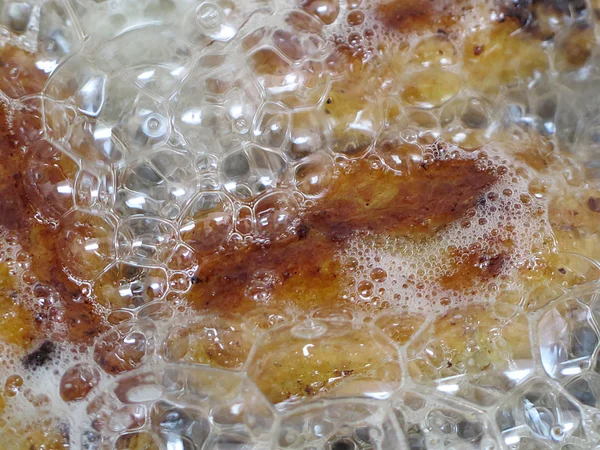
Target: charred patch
[{"x": 41, "y": 356}]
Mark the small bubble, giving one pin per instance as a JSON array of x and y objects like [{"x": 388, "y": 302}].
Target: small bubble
[
  {"x": 379, "y": 275},
  {"x": 351, "y": 264},
  {"x": 557, "y": 432},
  {"x": 78, "y": 381},
  {"x": 154, "y": 126},
  {"x": 354, "y": 39},
  {"x": 525, "y": 199},
  {"x": 355, "y": 18},
  {"x": 208, "y": 16},
  {"x": 13, "y": 385},
  {"x": 365, "y": 289}
]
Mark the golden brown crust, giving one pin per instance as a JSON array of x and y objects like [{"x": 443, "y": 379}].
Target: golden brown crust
[
  {"x": 38, "y": 240},
  {"x": 19, "y": 75},
  {"x": 408, "y": 16},
  {"x": 306, "y": 271}
]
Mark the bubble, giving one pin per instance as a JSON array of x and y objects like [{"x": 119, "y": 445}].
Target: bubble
[
  {"x": 248, "y": 172},
  {"x": 219, "y": 341},
  {"x": 275, "y": 214},
  {"x": 208, "y": 16},
  {"x": 87, "y": 244},
  {"x": 430, "y": 88},
  {"x": 77, "y": 382},
  {"x": 13, "y": 385},
  {"x": 365, "y": 289},
  {"x": 399, "y": 155},
  {"x": 435, "y": 50},
  {"x": 125, "y": 285},
  {"x": 124, "y": 348},
  {"x": 178, "y": 137},
  {"x": 49, "y": 174},
  {"x": 355, "y": 18},
  {"x": 208, "y": 221}
]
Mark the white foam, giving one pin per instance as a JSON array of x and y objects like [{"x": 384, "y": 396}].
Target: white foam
[{"x": 414, "y": 268}]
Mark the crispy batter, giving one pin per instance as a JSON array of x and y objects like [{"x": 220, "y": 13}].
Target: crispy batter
[
  {"x": 470, "y": 266},
  {"x": 378, "y": 200},
  {"x": 18, "y": 74},
  {"x": 37, "y": 239},
  {"x": 362, "y": 200},
  {"x": 417, "y": 15},
  {"x": 17, "y": 324},
  {"x": 41, "y": 435}
]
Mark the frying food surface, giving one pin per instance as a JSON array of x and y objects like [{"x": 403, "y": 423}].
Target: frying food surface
[{"x": 314, "y": 225}]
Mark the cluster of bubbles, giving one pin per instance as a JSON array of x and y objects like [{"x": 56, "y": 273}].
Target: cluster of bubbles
[
  {"x": 172, "y": 128},
  {"x": 541, "y": 393},
  {"x": 405, "y": 273}
]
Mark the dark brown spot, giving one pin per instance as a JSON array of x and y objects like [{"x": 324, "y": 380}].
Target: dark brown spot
[
  {"x": 594, "y": 204},
  {"x": 302, "y": 230},
  {"x": 40, "y": 356}
]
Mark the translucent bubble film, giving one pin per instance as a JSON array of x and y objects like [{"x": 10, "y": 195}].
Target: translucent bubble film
[{"x": 299, "y": 224}]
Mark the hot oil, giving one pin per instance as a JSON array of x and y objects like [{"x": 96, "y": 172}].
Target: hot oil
[{"x": 344, "y": 193}]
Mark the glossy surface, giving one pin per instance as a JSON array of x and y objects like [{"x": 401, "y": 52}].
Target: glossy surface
[{"x": 320, "y": 225}]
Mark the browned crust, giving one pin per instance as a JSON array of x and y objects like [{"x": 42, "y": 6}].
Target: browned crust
[
  {"x": 37, "y": 239},
  {"x": 307, "y": 271},
  {"x": 407, "y": 16}
]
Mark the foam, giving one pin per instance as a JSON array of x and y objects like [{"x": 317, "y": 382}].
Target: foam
[
  {"x": 413, "y": 269},
  {"x": 399, "y": 274}
]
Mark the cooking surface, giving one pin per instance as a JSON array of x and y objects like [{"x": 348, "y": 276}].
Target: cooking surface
[{"x": 330, "y": 225}]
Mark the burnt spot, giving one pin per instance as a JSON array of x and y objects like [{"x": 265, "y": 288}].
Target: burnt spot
[
  {"x": 41, "y": 356},
  {"x": 302, "y": 231}
]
